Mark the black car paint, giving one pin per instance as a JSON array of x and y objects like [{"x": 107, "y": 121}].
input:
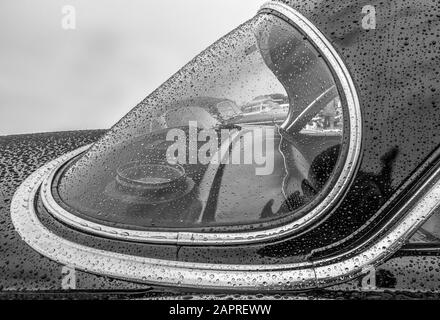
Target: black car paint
[
  {"x": 27, "y": 274},
  {"x": 396, "y": 72}
]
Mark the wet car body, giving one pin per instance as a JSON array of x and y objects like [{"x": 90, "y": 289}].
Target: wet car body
[
  {"x": 411, "y": 273},
  {"x": 397, "y": 84}
]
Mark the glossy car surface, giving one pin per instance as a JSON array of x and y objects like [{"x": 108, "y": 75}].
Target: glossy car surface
[
  {"x": 412, "y": 273},
  {"x": 357, "y": 246}
]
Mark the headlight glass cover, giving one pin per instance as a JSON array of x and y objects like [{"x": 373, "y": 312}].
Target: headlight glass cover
[{"x": 250, "y": 132}]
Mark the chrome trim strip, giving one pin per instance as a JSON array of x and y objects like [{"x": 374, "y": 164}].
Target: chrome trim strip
[
  {"x": 234, "y": 238},
  {"x": 261, "y": 278}
]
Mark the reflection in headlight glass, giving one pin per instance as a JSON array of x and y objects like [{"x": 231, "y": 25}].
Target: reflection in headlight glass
[{"x": 251, "y": 130}]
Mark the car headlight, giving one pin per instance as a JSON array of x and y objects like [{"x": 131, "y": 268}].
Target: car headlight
[{"x": 264, "y": 127}]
